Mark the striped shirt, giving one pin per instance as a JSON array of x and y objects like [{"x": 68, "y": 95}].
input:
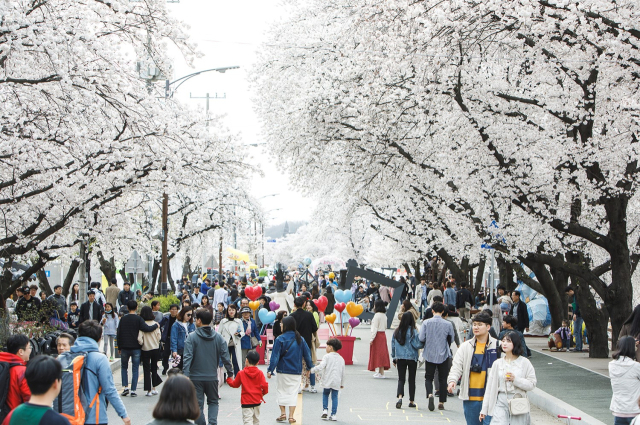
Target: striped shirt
[
  {"x": 437, "y": 334},
  {"x": 478, "y": 380}
]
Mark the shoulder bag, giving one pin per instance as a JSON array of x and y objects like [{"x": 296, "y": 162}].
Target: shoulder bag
[{"x": 518, "y": 405}]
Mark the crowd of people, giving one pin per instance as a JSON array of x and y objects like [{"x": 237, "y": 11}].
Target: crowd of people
[{"x": 462, "y": 342}]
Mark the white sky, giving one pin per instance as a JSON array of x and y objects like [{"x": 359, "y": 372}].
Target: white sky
[{"x": 229, "y": 34}]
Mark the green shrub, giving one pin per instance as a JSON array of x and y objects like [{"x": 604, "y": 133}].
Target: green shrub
[{"x": 166, "y": 301}]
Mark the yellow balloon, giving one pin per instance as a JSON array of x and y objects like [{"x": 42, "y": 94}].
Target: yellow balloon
[
  {"x": 332, "y": 275},
  {"x": 254, "y": 305},
  {"x": 330, "y": 317},
  {"x": 353, "y": 309}
]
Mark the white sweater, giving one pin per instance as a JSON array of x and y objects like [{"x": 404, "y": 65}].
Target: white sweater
[
  {"x": 625, "y": 383},
  {"x": 378, "y": 324},
  {"x": 333, "y": 366},
  {"x": 525, "y": 380}
]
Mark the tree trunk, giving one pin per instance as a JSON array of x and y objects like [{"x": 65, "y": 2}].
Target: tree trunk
[
  {"x": 43, "y": 282},
  {"x": 417, "y": 274},
  {"x": 457, "y": 271},
  {"x": 123, "y": 275},
  {"x": 620, "y": 292},
  {"x": 596, "y": 320},
  {"x": 479, "y": 275},
  {"x": 107, "y": 267},
  {"x": 550, "y": 290},
  {"x": 186, "y": 268},
  {"x": 68, "y": 279}
]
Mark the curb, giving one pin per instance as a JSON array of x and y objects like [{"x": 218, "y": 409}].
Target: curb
[
  {"x": 554, "y": 406},
  {"x": 115, "y": 366}
]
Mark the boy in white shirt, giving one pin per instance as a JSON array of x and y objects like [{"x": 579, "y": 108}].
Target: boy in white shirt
[{"x": 333, "y": 378}]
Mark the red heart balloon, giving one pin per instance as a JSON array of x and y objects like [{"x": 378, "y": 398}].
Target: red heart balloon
[
  {"x": 321, "y": 303},
  {"x": 340, "y": 307},
  {"x": 253, "y": 292}
]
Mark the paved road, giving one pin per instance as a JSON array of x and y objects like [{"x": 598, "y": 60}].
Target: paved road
[{"x": 364, "y": 400}]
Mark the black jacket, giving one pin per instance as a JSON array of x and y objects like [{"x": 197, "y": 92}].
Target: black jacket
[
  {"x": 28, "y": 310},
  {"x": 305, "y": 324},
  {"x": 523, "y": 315},
  {"x": 125, "y": 296},
  {"x": 463, "y": 296},
  {"x": 127, "y": 335},
  {"x": 98, "y": 311}
]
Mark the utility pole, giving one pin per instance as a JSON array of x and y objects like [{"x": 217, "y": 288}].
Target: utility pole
[
  {"x": 220, "y": 261},
  {"x": 224, "y": 96},
  {"x": 165, "y": 231},
  {"x": 84, "y": 287},
  {"x": 262, "y": 231}
]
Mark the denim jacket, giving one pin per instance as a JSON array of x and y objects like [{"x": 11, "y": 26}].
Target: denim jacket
[
  {"x": 291, "y": 363},
  {"x": 179, "y": 335},
  {"x": 245, "y": 342},
  {"x": 408, "y": 351}
]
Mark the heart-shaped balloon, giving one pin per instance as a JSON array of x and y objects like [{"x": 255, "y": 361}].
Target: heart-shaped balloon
[
  {"x": 330, "y": 318},
  {"x": 343, "y": 296},
  {"x": 273, "y": 306},
  {"x": 266, "y": 316},
  {"x": 254, "y": 305},
  {"x": 354, "y": 321},
  {"x": 340, "y": 307},
  {"x": 321, "y": 303},
  {"x": 253, "y": 292},
  {"x": 354, "y": 309}
]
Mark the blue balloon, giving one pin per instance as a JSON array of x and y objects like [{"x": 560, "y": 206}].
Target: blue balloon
[
  {"x": 266, "y": 316},
  {"x": 343, "y": 296}
]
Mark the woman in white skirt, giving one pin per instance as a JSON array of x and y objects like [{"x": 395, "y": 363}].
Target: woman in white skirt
[
  {"x": 510, "y": 375},
  {"x": 289, "y": 351}
]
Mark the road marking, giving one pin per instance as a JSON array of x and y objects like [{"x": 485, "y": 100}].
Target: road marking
[{"x": 298, "y": 413}]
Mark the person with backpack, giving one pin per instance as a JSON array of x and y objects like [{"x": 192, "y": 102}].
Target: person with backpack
[
  {"x": 464, "y": 301},
  {"x": 96, "y": 380},
  {"x": 44, "y": 377},
  {"x": 14, "y": 389}
]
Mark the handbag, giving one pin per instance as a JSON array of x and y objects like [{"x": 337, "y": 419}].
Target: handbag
[
  {"x": 254, "y": 342},
  {"x": 518, "y": 405}
]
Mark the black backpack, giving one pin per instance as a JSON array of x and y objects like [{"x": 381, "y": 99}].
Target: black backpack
[{"x": 5, "y": 383}]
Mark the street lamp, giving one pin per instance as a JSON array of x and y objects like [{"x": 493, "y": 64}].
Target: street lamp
[{"x": 167, "y": 90}]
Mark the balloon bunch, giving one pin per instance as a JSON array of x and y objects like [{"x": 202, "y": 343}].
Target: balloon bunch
[{"x": 353, "y": 310}]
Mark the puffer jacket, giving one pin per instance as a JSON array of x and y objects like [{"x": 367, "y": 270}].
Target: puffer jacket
[
  {"x": 18, "y": 389},
  {"x": 408, "y": 351},
  {"x": 179, "y": 335},
  {"x": 291, "y": 363},
  {"x": 625, "y": 383},
  {"x": 100, "y": 376}
]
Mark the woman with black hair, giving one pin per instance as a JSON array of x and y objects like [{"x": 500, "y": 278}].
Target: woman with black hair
[
  {"x": 177, "y": 403},
  {"x": 277, "y": 325},
  {"x": 510, "y": 375},
  {"x": 231, "y": 331},
  {"x": 631, "y": 327},
  {"x": 624, "y": 372},
  {"x": 289, "y": 351},
  {"x": 378, "y": 351},
  {"x": 405, "y": 346},
  {"x": 150, "y": 354},
  {"x": 180, "y": 330}
]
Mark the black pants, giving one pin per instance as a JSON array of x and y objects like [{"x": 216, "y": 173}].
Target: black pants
[
  {"x": 150, "y": 368},
  {"x": 443, "y": 372},
  {"x": 234, "y": 360},
  {"x": 166, "y": 354},
  {"x": 402, "y": 366}
]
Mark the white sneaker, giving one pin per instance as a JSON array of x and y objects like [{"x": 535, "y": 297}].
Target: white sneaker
[
  {"x": 154, "y": 392},
  {"x": 333, "y": 418},
  {"x": 379, "y": 376},
  {"x": 325, "y": 414},
  {"x": 376, "y": 375},
  {"x": 312, "y": 389},
  {"x": 148, "y": 394}
]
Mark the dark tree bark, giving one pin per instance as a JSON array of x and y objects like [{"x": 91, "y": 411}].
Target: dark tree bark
[
  {"x": 548, "y": 286},
  {"x": 107, "y": 267},
  {"x": 155, "y": 272},
  {"x": 9, "y": 285},
  {"x": 123, "y": 275},
  {"x": 479, "y": 275},
  {"x": 68, "y": 279},
  {"x": 186, "y": 268},
  {"x": 43, "y": 282}
]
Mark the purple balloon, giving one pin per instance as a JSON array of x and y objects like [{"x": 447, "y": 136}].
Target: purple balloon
[
  {"x": 354, "y": 321},
  {"x": 274, "y": 306}
]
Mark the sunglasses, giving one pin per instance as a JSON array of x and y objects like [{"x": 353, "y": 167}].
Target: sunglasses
[{"x": 188, "y": 315}]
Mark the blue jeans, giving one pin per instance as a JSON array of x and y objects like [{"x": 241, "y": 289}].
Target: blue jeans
[
  {"x": 621, "y": 421},
  {"x": 423, "y": 306},
  {"x": 312, "y": 379},
  {"x": 334, "y": 400},
  {"x": 577, "y": 332},
  {"x": 472, "y": 413},
  {"x": 124, "y": 367}
]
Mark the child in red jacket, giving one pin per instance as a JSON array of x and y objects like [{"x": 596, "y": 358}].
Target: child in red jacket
[
  {"x": 254, "y": 387},
  {"x": 16, "y": 357}
]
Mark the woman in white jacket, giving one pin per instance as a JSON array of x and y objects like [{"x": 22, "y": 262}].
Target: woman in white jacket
[
  {"x": 231, "y": 330},
  {"x": 513, "y": 374},
  {"x": 624, "y": 372}
]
